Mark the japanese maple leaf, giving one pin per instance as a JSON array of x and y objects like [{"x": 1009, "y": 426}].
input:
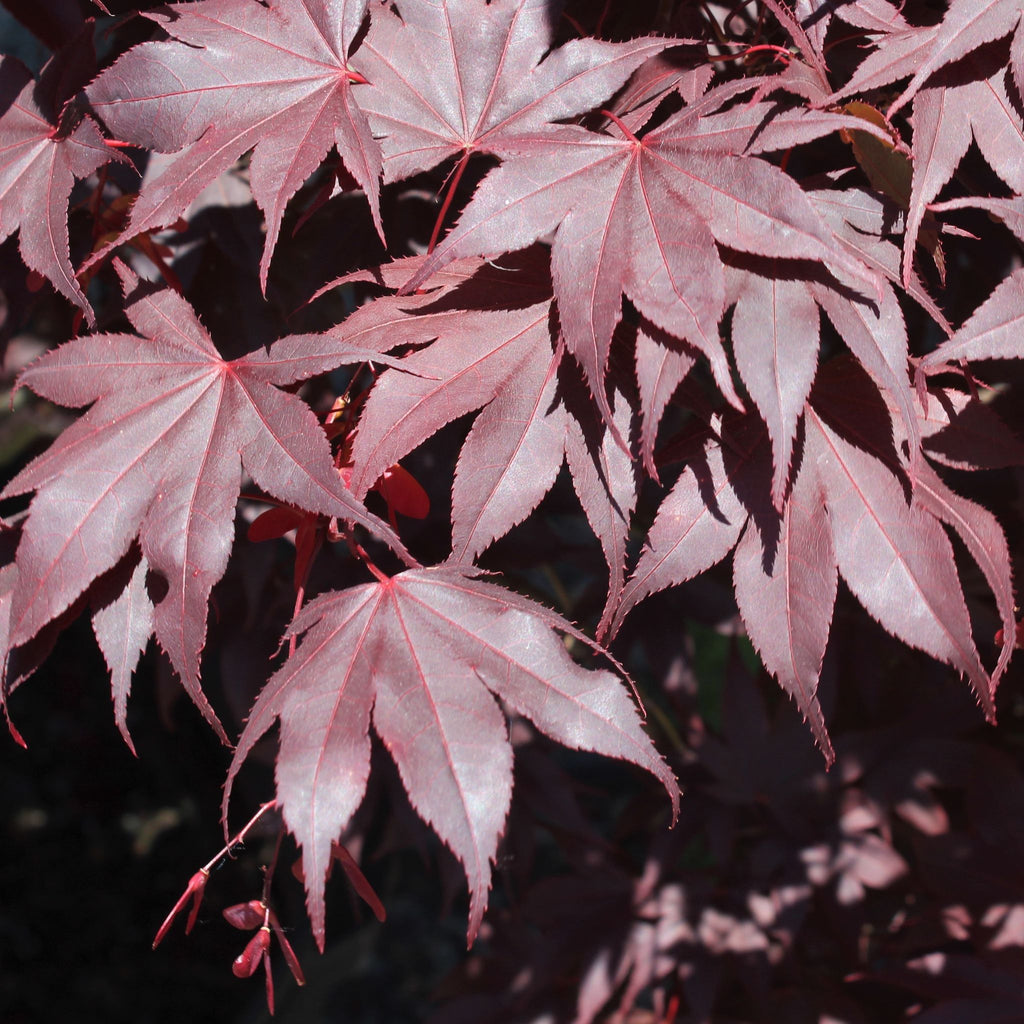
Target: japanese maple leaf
[
  {"x": 848, "y": 513},
  {"x": 950, "y": 111},
  {"x": 43, "y": 149},
  {"x": 427, "y": 654},
  {"x": 993, "y": 331},
  {"x": 776, "y": 336},
  {"x": 641, "y": 218},
  {"x": 919, "y": 52},
  {"x": 271, "y": 78},
  {"x": 477, "y": 354},
  {"x": 501, "y": 362},
  {"x": 496, "y": 359},
  {"x": 158, "y": 457},
  {"x": 448, "y": 77}
]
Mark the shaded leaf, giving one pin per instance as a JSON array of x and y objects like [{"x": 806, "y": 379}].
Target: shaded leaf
[
  {"x": 786, "y": 591},
  {"x": 40, "y": 157}
]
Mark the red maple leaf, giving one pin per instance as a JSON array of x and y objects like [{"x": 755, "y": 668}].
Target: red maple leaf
[
  {"x": 455, "y": 77},
  {"x": 46, "y": 144},
  {"x": 848, "y": 512},
  {"x": 158, "y": 457},
  {"x": 425, "y": 654},
  {"x": 273, "y": 79},
  {"x": 608, "y": 196}
]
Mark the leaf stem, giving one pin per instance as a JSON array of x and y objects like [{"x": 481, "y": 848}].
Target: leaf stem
[
  {"x": 622, "y": 127},
  {"x": 449, "y": 195}
]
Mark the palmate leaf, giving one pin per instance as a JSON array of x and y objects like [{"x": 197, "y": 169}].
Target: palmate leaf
[
  {"x": 41, "y": 155},
  {"x": 641, "y": 218},
  {"x": 506, "y": 363},
  {"x": 425, "y": 654},
  {"x": 849, "y": 510},
  {"x": 918, "y": 52},
  {"x": 272, "y": 78},
  {"x": 448, "y": 77},
  {"x": 159, "y": 457},
  {"x": 476, "y": 355},
  {"x": 509, "y": 364},
  {"x": 598, "y": 191}
]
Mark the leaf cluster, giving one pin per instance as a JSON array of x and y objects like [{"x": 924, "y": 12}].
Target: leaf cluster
[{"x": 429, "y": 293}]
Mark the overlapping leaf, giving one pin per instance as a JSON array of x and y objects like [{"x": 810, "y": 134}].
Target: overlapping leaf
[
  {"x": 849, "y": 509},
  {"x": 41, "y": 155},
  {"x": 426, "y": 653},
  {"x": 975, "y": 103},
  {"x": 158, "y": 457},
  {"x": 476, "y": 355},
  {"x": 918, "y": 52},
  {"x": 500, "y": 361},
  {"x": 273, "y": 79},
  {"x": 894, "y": 555},
  {"x": 449, "y": 77},
  {"x": 641, "y": 218},
  {"x": 830, "y": 478}
]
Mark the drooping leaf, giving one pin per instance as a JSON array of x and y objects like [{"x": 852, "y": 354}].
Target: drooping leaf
[
  {"x": 662, "y": 363},
  {"x": 775, "y": 336},
  {"x": 786, "y": 591},
  {"x": 895, "y": 557},
  {"x": 849, "y": 510},
  {"x": 429, "y": 651},
  {"x": 158, "y": 457},
  {"x": 606, "y": 483},
  {"x": 42, "y": 153},
  {"x": 271, "y": 78},
  {"x": 123, "y": 627},
  {"x": 983, "y": 536},
  {"x": 697, "y": 525}
]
